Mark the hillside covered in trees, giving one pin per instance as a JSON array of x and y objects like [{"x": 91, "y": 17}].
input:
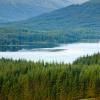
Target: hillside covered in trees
[
  {"x": 22, "y": 80},
  {"x": 13, "y": 40},
  {"x": 75, "y": 23}
]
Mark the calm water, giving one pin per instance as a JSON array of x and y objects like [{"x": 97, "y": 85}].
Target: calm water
[{"x": 66, "y": 53}]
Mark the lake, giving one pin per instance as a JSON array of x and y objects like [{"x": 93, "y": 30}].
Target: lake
[{"x": 66, "y": 53}]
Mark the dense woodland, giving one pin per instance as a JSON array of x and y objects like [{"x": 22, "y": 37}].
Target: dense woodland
[
  {"x": 22, "y": 80},
  {"x": 15, "y": 39},
  {"x": 28, "y": 37}
]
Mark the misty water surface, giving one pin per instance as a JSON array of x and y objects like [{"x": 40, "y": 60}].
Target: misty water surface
[{"x": 66, "y": 53}]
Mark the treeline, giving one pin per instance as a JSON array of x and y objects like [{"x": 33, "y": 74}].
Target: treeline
[
  {"x": 22, "y": 80},
  {"x": 89, "y": 60},
  {"x": 11, "y": 37}
]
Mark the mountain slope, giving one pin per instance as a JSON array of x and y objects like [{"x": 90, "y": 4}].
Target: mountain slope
[
  {"x": 15, "y": 10},
  {"x": 86, "y": 15},
  {"x": 76, "y": 23}
]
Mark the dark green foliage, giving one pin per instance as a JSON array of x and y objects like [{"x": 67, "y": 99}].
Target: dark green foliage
[
  {"x": 89, "y": 60},
  {"x": 14, "y": 39},
  {"x": 22, "y": 80}
]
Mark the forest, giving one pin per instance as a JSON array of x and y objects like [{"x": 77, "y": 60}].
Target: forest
[
  {"x": 27, "y": 80},
  {"x": 11, "y": 37}
]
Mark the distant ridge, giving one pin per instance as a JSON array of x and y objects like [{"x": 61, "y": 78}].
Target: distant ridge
[
  {"x": 16, "y": 10},
  {"x": 75, "y": 23},
  {"x": 73, "y": 17}
]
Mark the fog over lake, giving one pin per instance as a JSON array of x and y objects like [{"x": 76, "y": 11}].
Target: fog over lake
[{"x": 66, "y": 53}]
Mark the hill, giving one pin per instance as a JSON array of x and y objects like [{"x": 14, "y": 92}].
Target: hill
[
  {"x": 75, "y": 17},
  {"x": 16, "y": 10},
  {"x": 75, "y": 23}
]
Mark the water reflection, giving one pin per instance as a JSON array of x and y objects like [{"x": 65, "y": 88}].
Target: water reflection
[{"x": 14, "y": 48}]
